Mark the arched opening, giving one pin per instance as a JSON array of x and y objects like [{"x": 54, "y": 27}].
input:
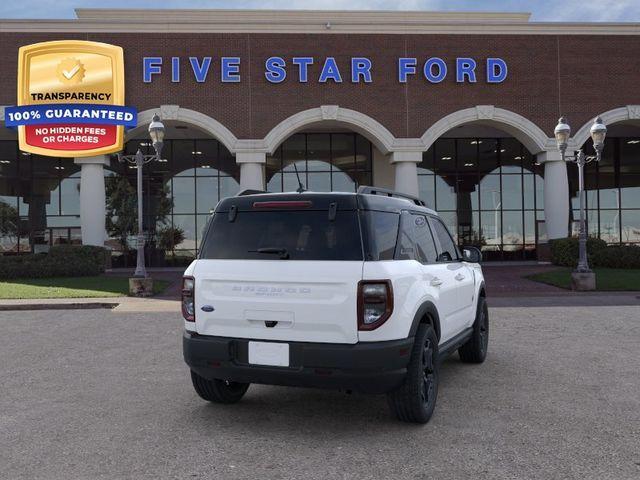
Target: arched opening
[
  {"x": 179, "y": 192},
  {"x": 488, "y": 188},
  {"x": 333, "y": 149},
  {"x": 612, "y": 186}
]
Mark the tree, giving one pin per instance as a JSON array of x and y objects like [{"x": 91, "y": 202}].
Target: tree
[{"x": 122, "y": 209}]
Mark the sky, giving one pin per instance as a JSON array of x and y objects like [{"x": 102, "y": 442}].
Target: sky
[{"x": 542, "y": 10}]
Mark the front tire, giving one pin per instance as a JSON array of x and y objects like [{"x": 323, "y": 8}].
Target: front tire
[
  {"x": 218, "y": 391},
  {"x": 475, "y": 350},
  {"x": 415, "y": 400}
]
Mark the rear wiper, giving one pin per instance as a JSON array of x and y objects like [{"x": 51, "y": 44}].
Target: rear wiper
[{"x": 284, "y": 254}]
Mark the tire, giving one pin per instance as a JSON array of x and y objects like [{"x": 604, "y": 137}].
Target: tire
[
  {"x": 415, "y": 399},
  {"x": 475, "y": 350},
  {"x": 218, "y": 391}
]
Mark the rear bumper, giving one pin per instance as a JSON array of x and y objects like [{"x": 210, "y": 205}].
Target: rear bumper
[{"x": 372, "y": 367}]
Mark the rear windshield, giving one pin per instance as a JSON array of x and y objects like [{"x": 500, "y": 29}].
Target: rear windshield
[{"x": 287, "y": 235}]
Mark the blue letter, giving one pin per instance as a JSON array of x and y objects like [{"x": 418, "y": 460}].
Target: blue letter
[
  {"x": 230, "y": 69},
  {"x": 465, "y": 66},
  {"x": 200, "y": 71},
  {"x": 150, "y": 66},
  {"x": 303, "y": 64},
  {"x": 175, "y": 69},
  {"x": 360, "y": 67},
  {"x": 428, "y": 70},
  {"x": 275, "y": 69},
  {"x": 406, "y": 66},
  {"x": 498, "y": 76},
  {"x": 330, "y": 71}
]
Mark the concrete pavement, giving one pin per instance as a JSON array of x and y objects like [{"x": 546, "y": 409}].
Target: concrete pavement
[{"x": 103, "y": 394}]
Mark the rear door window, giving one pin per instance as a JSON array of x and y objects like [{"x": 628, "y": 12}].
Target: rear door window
[
  {"x": 292, "y": 235},
  {"x": 448, "y": 249},
  {"x": 425, "y": 247}
]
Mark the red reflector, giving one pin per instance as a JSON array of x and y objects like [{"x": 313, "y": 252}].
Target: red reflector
[{"x": 284, "y": 204}]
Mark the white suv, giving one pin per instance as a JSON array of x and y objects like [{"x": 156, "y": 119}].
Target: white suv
[{"x": 356, "y": 291}]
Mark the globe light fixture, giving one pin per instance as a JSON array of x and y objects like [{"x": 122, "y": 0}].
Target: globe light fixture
[
  {"x": 598, "y": 133},
  {"x": 562, "y": 133}
]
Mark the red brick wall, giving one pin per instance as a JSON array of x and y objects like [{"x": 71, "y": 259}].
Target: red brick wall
[{"x": 548, "y": 75}]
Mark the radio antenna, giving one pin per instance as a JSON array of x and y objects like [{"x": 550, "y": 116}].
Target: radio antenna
[{"x": 300, "y": 188}]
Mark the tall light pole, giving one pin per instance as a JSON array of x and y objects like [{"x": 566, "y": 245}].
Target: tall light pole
[
  {"x": 598, "y": 132},
  {"x": 156, "y": 132}
]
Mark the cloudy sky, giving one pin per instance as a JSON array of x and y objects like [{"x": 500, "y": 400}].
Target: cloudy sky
[{"x": 542, "y": 10}]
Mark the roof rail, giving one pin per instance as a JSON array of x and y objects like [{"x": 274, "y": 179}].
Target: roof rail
[
  {"x": 390, "y": 193},
  {"x": 249, "y": 191}
]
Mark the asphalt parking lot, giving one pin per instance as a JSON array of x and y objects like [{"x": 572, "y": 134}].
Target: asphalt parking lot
[{"x": 99, "y": 394}]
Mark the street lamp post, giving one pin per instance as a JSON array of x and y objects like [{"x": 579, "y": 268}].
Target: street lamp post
[
  {"x": 583, "y": 278},
  {"x": 156, "y": 132}
]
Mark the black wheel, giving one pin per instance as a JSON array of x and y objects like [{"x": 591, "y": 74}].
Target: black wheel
[
  {"x": 218, "y": 391},
  {"x": 475, "y": 350},
  {"x": 415, "y": 399}
]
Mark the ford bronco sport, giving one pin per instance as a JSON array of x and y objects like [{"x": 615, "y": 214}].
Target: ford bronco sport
[{"x": 361, "y": 291}]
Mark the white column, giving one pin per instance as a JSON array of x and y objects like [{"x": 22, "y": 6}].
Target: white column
[
  {"x": 251, "y": 169},
  {"x": 92, "y": 199},
  {"x": 406, "y": 168},
  {"x": 556, "y": 194}
]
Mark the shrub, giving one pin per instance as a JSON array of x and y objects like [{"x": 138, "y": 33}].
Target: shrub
[
  {"x": 564, "y": 251},
  {"x": 61, "y": 261},
  {"x": 619, "y": 256}
]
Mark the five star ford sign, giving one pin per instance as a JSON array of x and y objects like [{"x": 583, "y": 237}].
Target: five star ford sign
[{"x": 71, "y": 99}]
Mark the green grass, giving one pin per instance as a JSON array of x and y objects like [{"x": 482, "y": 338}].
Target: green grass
[
  {"x": 72, "y": 287},
  {"x": 607, "y": 279}
]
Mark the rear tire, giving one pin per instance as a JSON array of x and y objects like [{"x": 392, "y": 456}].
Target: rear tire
[
  {"x": 415, "y": 399},
  {"x": 218, "y": 391},
  {"x": 475, "y": 350}
]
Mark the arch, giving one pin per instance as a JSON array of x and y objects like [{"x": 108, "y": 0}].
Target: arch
[
  {"x": 527, "y": 132},
  {"x": 186, "y": 115},
  {"x": 616, "y": 115},
  {"x": 363, "y": 124}
]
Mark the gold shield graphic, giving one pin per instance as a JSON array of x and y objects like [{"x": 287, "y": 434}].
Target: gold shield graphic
[{"x": 71, "y": 72}]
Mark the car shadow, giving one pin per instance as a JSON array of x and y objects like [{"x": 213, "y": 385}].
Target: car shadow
[{"x": 266, "y": 408}]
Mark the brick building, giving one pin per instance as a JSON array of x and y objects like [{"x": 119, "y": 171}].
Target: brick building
[{"x": 457, "y": 108}]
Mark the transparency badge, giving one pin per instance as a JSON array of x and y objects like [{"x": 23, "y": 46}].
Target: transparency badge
[{"x": 70, "y": 99}]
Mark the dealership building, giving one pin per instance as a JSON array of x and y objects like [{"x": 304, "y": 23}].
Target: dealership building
[{"x": 456, "y": 108}]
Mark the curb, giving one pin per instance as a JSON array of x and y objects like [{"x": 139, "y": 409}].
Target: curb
[{"x": 58, "y": 306}]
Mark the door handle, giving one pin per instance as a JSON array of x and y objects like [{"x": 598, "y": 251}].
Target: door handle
[
  {"x": 436, "y": 282},
  {"x": 459, "y": 277}
]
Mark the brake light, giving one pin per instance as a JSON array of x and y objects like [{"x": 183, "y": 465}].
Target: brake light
[
  {"x": 375, "y": 303},
  {"x": 284, "y": 204},
  {"x": 188, "y": 299}
]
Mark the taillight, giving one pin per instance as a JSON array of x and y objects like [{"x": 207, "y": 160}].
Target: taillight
[
  {"x": 375, "y": 303},
  {"x": 188, "y": 299}
]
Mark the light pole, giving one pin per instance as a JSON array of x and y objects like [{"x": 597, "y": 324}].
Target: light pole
[
  {"x": 598, "y": 132},
  {"x": 156, "y": 132}
]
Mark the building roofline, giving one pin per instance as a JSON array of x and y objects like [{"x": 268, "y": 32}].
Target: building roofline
[{"x": 310, "y": 21}]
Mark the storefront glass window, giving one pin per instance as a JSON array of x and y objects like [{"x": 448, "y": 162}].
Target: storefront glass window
[{"x": 325, "y": 162}]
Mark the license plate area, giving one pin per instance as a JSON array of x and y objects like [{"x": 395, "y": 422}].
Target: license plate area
[{"x": 269, "y": 353}]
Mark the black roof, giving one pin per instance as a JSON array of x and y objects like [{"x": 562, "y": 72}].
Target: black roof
[{"x": 322, "y": 201}]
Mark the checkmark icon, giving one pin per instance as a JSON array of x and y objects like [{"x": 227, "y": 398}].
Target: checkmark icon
[{"x": 68, "y": 74}]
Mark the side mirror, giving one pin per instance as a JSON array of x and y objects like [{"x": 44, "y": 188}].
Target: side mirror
[{"x": 471, "y": 254}]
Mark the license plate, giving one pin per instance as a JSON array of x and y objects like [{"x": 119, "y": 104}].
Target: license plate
[{"x": 269, "y": 353}]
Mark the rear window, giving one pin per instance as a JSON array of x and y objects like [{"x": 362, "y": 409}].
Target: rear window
[{"x": 292, "y": 235}]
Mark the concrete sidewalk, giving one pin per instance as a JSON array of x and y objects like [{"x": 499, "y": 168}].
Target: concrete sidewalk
[{"x": 117, "y": 304}]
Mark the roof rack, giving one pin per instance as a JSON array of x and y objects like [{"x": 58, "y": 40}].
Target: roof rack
[{"x": 390, "y": 193}]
